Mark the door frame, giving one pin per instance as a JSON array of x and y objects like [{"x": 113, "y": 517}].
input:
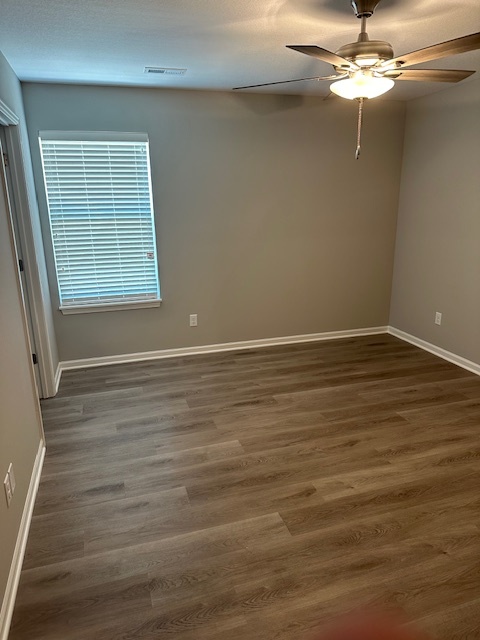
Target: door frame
[
  {"x": 19, "y": 254},
  {"x": 48, "y": 376}
]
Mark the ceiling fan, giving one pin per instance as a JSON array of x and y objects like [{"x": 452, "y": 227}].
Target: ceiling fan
[{"x": 366, "y": 69}]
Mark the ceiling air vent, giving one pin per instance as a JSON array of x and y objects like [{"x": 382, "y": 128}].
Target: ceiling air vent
[{"x": 166, "y": 71}]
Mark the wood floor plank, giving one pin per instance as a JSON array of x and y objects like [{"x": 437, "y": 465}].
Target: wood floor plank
[
  {"x": 460, "y": 622},
  {"x": 257, "y": 494},
  {"x": 113, "y": 515},
  {"x": 299, "y": 520}
]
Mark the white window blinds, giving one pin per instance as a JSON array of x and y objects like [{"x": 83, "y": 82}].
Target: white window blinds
[{"x": 101, "y": 216}]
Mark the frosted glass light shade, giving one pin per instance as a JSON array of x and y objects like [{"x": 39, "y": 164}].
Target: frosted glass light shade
[{"x": 361, "y": 85}]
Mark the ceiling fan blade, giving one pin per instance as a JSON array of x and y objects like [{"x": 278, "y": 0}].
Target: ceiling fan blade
[
  {"x": 429, "y": 75},
  {"x": 330, "y": 95},
  {"x": 268, "y": 84},
  {"x": 323, "y": 54},
  {"x": 436, "y": 51}
]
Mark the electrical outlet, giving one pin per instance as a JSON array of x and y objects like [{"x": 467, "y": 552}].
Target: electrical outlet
[
  {"x": 193, "y": 320},
  {"x": 11, "y": 475},
  {"x": 438, "y": 318},
  {"x": 8, "y": 489}
]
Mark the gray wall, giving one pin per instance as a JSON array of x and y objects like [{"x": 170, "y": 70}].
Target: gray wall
[
  {"x": 266, "y": 224},
  {"x": 20, "y": 425},
  {"x": 437, "y": 259}
]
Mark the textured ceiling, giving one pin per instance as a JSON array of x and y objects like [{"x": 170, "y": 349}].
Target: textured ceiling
[{"x": 222, "y": 43}]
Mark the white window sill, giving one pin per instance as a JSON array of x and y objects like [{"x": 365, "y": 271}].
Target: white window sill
[{"x": 114, "y": 306}]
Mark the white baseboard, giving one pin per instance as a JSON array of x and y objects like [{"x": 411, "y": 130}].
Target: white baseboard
[
  {"x": 438, "y": 351},
  {"x": 215, "y": 348},
  {"x": 18, "y": 555},
  {"x": 85, "y": 363},
  {"x": 58, "y": 375}
]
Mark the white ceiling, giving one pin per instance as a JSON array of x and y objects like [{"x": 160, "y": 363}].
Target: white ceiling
[{"x": 222, "y": 43}]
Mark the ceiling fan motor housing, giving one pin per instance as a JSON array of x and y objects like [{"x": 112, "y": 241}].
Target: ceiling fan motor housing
[{"x": 369, "y": 50}]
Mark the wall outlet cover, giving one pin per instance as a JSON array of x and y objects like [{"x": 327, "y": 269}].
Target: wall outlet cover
[
  {"x": 8, "y": 490},
  {"x": 11, "y": 475}
]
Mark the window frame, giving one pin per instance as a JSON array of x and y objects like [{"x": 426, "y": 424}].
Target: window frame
[{"x": 102, "y": 137}]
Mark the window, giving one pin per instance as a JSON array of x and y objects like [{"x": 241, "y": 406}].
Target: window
[{"x": 100, "y": 207}]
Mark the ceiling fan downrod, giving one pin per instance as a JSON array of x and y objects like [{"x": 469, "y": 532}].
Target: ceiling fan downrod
[{"x": 364, "y": 51}]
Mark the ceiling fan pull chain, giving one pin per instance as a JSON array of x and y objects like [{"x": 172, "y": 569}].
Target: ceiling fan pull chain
[{"x": 359, "y": 127}]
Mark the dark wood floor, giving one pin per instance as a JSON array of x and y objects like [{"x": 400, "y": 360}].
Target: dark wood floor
[{"x": 257, "y": 494}]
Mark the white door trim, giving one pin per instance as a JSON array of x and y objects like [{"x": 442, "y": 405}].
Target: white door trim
[
  {"x": 32, "y": 277},
  {"x": 7, "y": 116}
]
